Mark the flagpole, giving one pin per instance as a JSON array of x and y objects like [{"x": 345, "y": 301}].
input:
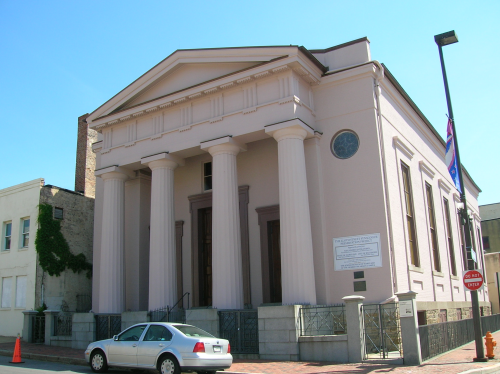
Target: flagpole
[{"x": 445, "y": 39}]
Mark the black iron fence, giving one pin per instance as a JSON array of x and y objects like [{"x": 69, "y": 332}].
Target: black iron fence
[
  {"x": 241, "y": 328},
  {"x": 442, "y": 337},
  {"x": 490, "y": 323},
  {"x": 38, "y": 334},
  {"x": 171, "y": 314},
  {"x": 168, "y": 315},
  {"x": 322, "y": 320},
  {"x": 107, "y": 325},
  {"x": 63, "y": 325}
]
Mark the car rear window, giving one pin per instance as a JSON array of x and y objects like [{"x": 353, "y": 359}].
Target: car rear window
[{"x": 193, "y": 331}]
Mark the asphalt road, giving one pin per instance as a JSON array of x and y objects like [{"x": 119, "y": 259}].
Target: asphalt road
[{"x": 45, "y": 367}]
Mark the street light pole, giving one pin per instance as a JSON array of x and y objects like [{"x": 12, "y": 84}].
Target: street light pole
[{"x": 442, "y": 40}]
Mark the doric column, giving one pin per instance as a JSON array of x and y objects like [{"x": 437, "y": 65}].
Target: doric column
[
  {"x": 112, "y": 280},
  {"x": 227, "y": 279},
  {"x": 162, "y": 258},
  {"x": 297, "y": 267}
]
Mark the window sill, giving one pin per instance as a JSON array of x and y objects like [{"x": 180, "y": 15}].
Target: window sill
[
  {"x": 454, "y": 277},
  {"x": 3, "y": 309},
  {"x": 437, "y": 274},
  {"x": 415, "y": 269},
  {"x": 23, "y": 249},
  {"x": 4, "y": 251}
]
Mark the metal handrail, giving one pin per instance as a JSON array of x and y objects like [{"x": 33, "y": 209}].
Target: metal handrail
[{"x": 185, "y": 293}]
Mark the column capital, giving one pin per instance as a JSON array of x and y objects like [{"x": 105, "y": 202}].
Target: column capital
[
  {"x": 29, "y": 312},
  {"x": 225, "y": 144},
  {"x": 114, "y": 172},
  {"x": 408, "y": 295},
  {"x": 162, "y": 160},
  {"x": 292, "y": 129},
  {"x": 353, "y": 299}
]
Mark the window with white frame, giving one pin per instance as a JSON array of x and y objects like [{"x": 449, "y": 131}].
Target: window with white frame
[
  {"x": 21, "y": 283},
  {"x": 7, "y": 232},
  {"x": 25, "y": 238},
  {"x": 207, "y": 176},
  {"x": 6, "y": 292}
]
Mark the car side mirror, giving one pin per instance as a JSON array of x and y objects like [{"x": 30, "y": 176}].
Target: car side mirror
[{"x": 115, "y": 338}]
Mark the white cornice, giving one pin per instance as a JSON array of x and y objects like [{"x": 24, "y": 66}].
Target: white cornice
[
  {"x": 426, "y": 169},
  {"x": 204, "y": 90},
  {"x": 444, "y": 186},
  {"x": 398, "y": 143},
  {"x": 300, "y": 65},
  {"x": 35, "y": 183},
  {"x": 175, "y": 60}
]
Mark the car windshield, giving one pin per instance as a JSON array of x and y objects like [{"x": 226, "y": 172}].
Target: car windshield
[{"x": 193, "y": 331}]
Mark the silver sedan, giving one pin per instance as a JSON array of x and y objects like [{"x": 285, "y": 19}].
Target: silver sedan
[{"x": 168, "y": 347}]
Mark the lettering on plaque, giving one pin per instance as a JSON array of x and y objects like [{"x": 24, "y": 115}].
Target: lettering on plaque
[{"x": 357, "y": 252}]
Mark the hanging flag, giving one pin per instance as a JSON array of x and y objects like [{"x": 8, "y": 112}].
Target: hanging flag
[{"x": 451, "y": 157}]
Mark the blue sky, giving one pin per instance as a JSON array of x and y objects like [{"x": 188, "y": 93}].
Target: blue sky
[{"x": 62, "y": 59}]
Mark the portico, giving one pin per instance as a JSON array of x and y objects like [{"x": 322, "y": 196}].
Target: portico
[{"x": 172, "y": 136}]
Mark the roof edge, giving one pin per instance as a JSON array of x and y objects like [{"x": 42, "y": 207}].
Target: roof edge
[
  {"x": 343, "y": 45},
  {"x": 414, "y": 106}
]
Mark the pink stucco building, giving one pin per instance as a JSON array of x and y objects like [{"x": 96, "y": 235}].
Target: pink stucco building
[{"x": 261, "y": 175}]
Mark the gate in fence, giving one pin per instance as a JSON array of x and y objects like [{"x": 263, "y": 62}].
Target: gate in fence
[
  {"x": 38, "y": 335},
  {"x": 382, "y": 331},
  {"x": 107, "y": 325},
  {"x": 241, "y": 328}
]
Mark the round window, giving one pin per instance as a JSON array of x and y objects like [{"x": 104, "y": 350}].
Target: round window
[{"x": 345, "y": 144}]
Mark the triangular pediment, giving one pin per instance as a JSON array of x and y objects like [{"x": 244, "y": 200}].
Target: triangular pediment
[
  {"x": 177, "y": 77},
  {"x": 184, "y": 76}
]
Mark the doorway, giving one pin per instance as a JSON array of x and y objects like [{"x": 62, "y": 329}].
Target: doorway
[
  {"x": 269, "y": 222},
  {"x": 200, "y": 207},
  {"x": 273, "y": 234},
  {"x": 205, "y": 256}
]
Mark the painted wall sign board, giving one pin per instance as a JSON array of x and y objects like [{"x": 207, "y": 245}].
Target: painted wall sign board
[
  {"x": 357, "y": 252},
  {"x": 473, "y": 280}
]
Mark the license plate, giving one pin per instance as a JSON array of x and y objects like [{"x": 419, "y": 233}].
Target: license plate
[{"x": 217, "y": 348}]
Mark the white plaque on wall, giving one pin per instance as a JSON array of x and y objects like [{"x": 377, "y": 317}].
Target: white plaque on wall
[
  {"x": 406, "y": 308},
  {"x": 357, "y": 252}
]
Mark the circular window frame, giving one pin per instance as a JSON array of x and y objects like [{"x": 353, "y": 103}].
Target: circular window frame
[{"x": 339, "y": 133}]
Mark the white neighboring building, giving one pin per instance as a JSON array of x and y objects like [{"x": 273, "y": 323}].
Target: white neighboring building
[
  {"x": 229, "y": 173},
  {"x": 18, "y": 214},
  {"x": 24, "y": 284}
]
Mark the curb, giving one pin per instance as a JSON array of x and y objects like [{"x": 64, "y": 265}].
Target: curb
[
  {"x": 487, "y": 370},
  {"x": 36, "y": 356}
]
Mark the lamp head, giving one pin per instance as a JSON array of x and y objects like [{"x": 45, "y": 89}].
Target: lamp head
[{"x": 446, "y": 38}]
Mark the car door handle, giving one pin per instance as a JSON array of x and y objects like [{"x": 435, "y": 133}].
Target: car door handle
[
  {"x": 134, "y": 345},
  {"x": 161, "y": 345}
]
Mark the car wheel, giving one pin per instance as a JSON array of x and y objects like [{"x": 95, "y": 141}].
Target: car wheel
[
  {"x": 98, "y": 362},
  {"x": 169, "y": 365}
]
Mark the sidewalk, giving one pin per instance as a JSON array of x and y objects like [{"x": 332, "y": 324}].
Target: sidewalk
[{"x": 453, "y": 362}]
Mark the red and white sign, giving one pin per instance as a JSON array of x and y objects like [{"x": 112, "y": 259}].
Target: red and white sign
[{"x": 473, "y": 280}]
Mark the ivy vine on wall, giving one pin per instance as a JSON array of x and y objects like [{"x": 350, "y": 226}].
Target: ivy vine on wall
[{"x": 53, "y": 249}]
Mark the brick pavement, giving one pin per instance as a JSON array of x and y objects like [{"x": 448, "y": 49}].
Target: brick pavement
[{"x": 454, "y": 362}]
